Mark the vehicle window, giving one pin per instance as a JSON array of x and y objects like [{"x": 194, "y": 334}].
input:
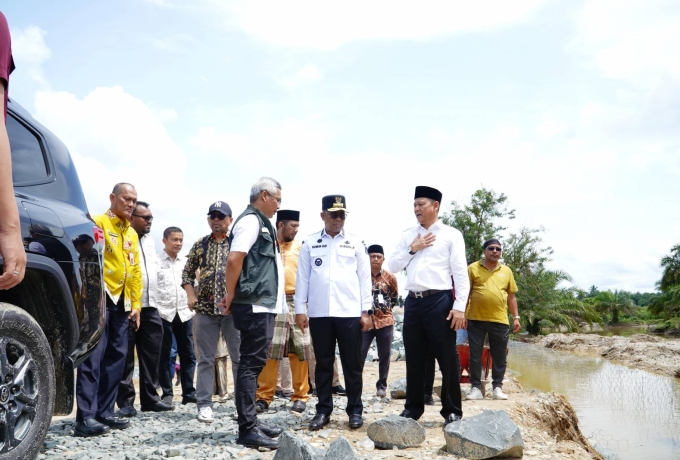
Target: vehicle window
[{"x": 28, "y": 160}]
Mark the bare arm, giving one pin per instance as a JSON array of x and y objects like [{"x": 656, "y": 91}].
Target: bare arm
[
  {"x": 11, "y": 246},
  {"x": 512, "y": 305},
  {"x": 234, "y": 267}
]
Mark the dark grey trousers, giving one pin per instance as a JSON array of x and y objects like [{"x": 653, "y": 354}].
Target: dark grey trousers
[{"x": 499, "y": 334}]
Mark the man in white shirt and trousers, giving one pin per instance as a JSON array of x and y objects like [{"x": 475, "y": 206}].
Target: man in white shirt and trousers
[
  {"x": 433, "y": 254},
  {"x": 333, "y": 296},
  {"x": 255, "y": 295}
]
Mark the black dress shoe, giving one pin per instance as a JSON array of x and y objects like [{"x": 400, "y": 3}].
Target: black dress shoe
[
  {"x": 319, "y": 421},
  {"x": 255, "y": 438},
  {"x": 427, "y": 399},
  {"x": 114, "y": 423},
  {"x": 282, "y": 395},
  {"x": 89, "y": 427},
  {"x": 452, "y": 418},
  {"x": 339, "y": 390},
  {"x": 189, "y": 399},
  {"x": 407, "y": 414},
  {"x": 299, "y": 406},
  {"x": 127, "y": 411},
  {"x": 355, "y": 421},
  {"x": 261, "y": 406},
  {"x": 314, "y": 393},
  {"x": 269, "y": 430},
  {"x": 160, "y": 406}
]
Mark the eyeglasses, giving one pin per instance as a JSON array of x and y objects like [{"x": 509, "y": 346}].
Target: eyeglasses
[
  {"x": 278, "y": 200},
  {"x": 146, "y": 218},
  {"x": 337, "y": 215},
  {"x": 217, "y": 215},
  {"x": 494, "y": 249}
]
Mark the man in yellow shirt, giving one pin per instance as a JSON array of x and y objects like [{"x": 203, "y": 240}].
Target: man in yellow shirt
[
  {"x": 288, "y": 341},
  {"x": 492, "y": 293},
  {"x": 100, "y": 374}
]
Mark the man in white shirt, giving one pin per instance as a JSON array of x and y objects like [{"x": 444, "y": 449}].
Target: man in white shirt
[
  {"x": 433, "y": 255},
  {"x": 150, "y": 334},
  {"x": 337, "y": 307},
  {"x": 177, "y": 318},
  {"x": 255, "y": 295}
]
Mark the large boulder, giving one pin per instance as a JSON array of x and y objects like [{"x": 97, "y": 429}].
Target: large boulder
[
  {"x": 293, "y": 448},
  {"x": 487, "y": 435},
  {"x": 395, "y": 431},
  {"x": 398, "y": 389},
  {"x": 340, "y": 449}
]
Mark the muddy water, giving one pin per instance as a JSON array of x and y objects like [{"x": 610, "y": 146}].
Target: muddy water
[{"x": 634, "y": 413}]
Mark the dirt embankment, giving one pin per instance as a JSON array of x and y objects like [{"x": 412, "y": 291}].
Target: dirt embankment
[{"x": 640, "y": 351}]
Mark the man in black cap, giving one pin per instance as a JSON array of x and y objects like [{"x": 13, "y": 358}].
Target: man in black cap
[
  {"x": 209, "y": 254},
  {"x": 289, "y": 340},
  {"x": 385, "y": 295},
  {"x": 433, "y": 255},
  {"x": 337, "y": 306}
]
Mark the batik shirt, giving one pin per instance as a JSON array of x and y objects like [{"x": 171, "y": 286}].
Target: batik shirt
[
  {"x": 385, "y": 295},
  {"x": 211, "y": 258}
]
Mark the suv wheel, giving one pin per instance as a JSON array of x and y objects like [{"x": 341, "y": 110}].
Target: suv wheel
[{"x": 26, "y": 384}]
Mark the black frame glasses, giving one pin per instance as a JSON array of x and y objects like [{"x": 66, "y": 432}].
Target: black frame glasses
[
  {"x": 146, "y": 218},
  {"x": 494, "y": 249},
  {"x": 217, "y": 215}
]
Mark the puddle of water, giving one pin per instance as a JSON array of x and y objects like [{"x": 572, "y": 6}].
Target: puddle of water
[{"x": 634, "y": 413}]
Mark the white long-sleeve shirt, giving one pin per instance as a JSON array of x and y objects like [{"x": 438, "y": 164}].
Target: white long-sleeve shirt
[
  {"x": 172, "y": 298},
  {"x": 148, "y": 263},
  {"x": 433, "y": 267},
  {"x": 333, "y": 276}
]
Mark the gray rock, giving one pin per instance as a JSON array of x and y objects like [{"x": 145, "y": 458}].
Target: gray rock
[
  {"x": 292, "y": 447},
  {"x": 486, "y": 435},
  {"x": 394, "y": 356},
  {"x": 340, "y": 449},
  {"x": 172, "y": 452},
  {"x": 398, "y": 389},
  {"x": 395, "y": 431},
  {"x": 366, "y": 444}
]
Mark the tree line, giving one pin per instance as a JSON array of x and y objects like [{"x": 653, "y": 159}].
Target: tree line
[{"x": 544, "y": 300}]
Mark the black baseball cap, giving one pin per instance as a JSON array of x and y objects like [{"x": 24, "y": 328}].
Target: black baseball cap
[{"x": 221, "y": 207}]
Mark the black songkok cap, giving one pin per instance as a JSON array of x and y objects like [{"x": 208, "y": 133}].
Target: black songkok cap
[
  {"x": 332, "y": 203},
  {"x": 422, "y": 191},
  {"x": 287, "y": 214},
  {"x": 492, "y": 241},
  {"x": 376, "y": 249}
]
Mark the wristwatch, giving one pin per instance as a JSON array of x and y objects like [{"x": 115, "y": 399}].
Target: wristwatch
[
  {"x": 515, "y": 317},
  {"x": 410, "y": 251}
]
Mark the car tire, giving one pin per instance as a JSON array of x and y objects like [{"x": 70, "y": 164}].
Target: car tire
[{"x": 26, "y": 384}]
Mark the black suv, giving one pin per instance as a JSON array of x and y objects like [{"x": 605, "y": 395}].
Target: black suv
[{"x": 54, "y": 318}]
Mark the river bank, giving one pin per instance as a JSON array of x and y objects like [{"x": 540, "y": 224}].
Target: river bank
[
  {"x": 641, "y": 351},
  {"x": 547, "y": 421}
]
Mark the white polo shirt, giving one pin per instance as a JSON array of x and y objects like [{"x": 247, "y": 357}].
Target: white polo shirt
[
  {"x": 433, "y": 267},
  {"x": 333, "y": 276},
  {"x": 246, "y": 232}
]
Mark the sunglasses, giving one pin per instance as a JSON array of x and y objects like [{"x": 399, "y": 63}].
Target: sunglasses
[
  {"x": 146, "y": 218},
  {"x": 494, "y": 249},
  {"x": 217, "y": 215},
  {"x": 337, "y": 215}
]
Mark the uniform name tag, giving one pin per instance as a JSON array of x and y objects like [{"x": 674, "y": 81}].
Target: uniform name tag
[{"x": 381, "y": 299}]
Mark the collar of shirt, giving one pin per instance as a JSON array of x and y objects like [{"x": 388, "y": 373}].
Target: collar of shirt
[
  {"x": 436, "y": 226},
  {"x": 377, "y": 275},
  {"x": 117, "y": 221},
  {"x": 166, "y": 256},
  {"x": 341, "y": 234},
  {"x": 498, "y": 266}
]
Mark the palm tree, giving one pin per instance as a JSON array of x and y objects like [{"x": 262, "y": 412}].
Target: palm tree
[
  {"x": 671, "y": 269},
  {"x": 666, "y": 304},
  {"x": 615, "y": 303}
]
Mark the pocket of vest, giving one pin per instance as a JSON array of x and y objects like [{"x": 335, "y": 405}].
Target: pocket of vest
[{"x": 266, "y": 246}]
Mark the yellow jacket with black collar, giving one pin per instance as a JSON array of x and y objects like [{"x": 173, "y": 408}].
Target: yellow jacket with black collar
[{"x": 122, "y": 274}]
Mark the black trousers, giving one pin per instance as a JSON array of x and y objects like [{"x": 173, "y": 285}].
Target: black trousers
[
  {"x": 148, "y": 340},
  {"x": 383, "y": 339},
  {"x": 184, "y": 336},
  {"x": 257, "y": 331},
  {"x": 100, "y": 374},
  {"x": 499, "y": 334},
  {"x": 346, "y": 332},
  {"x": 429, "y": 375},
  {"x": 426, "y": 330}
]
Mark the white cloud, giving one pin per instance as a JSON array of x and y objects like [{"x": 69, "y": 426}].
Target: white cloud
[
  {"x": 632, "y": 40},
  {"x": 30, "y": 52},
  {"x": 330, "y": 25},
  {"x": 307, "y": 75}
]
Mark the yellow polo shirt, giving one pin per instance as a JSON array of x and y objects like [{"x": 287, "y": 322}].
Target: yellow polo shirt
[
  {"x": 489, "y": 293},
  {"x": 290, "y": 253},
  {"x": 122, "y": 274}
]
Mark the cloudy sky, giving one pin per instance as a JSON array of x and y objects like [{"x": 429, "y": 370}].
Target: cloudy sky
[{"x": 571, "y": 108}]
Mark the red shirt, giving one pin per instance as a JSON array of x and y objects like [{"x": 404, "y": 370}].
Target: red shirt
[{"x": 6, "y": 61}]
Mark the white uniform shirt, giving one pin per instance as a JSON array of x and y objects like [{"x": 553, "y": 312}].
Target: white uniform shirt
[
  {"x": 172, "y": 298},
  {"x": 246, "y": 232},
  {"x": 333, "y": 276},
  {"x": 148, "y": 263},
  {"x": 433, "y": 267}
]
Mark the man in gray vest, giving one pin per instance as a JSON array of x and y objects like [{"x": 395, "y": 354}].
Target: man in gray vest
[{"x": 255, "y": 295}]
